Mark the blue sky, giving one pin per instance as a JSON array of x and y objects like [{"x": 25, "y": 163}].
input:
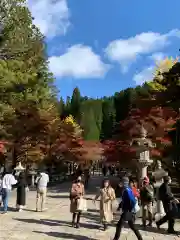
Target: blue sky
[{"x": 104, "y": 46}]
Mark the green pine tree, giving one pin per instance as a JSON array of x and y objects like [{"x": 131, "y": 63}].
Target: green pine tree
[
  {"x": 75, "y": 104},
  {"x": 88, "y": 123}
]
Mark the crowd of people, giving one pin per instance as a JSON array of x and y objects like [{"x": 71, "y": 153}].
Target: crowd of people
[
  {"x": 127, "y": 198},
  {"x": 9, "y": 181},
  {"x": 129, "y": 204}
]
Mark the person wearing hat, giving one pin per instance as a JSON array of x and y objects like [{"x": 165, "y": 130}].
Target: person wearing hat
[
  {"x": 128, "y": 204},
  {"x": 169, "y": 204},
  {"x": 147, "y": 198}
]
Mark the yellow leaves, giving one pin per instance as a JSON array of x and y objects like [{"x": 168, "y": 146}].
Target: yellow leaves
[
  {"x": 165, "y": 65},
  {"x": 70, "y": 120},
  {"x": 159, "y": 82}
]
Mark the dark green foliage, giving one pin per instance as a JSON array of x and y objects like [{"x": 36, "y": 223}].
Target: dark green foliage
[
  {"x": 109, "y": 118},
  {"x": 88, "y": 123},
  {"x": 75, "y": 104},
  {"x": 98, "y": 117}
]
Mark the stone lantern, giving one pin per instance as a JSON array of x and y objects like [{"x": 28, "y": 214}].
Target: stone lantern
[
  {"x": 142, "y": 145},
  {"x": 158, "y": 175},
  {"x": 19, "y": 168}
]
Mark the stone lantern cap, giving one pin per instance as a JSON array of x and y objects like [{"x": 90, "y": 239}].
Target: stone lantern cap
[
  {"x": 19, "y": 167},
  {"x": 139, "y": 142},
  {"x": 142, "y": 142},
  {"x": 159, "y": 174}
]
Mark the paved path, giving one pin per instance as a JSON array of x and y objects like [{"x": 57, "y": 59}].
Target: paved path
[{"x": 55, "y": 223}]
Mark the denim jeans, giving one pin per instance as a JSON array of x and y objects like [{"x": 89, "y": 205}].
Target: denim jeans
[{"x": 5, "y": 198}]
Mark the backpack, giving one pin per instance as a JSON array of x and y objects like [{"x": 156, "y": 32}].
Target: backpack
[
  {"x": 132, "y": 198},
  {"x": 148, "y": 194}
]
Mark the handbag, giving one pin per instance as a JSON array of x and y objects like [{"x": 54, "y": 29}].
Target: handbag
[
  {"x": 115, "y": 205},
  {"x": 81, "y": 204},
  {"x": 136, "y": 207}
]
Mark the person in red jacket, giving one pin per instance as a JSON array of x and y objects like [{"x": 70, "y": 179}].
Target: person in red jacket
[{"x": 134, "y": 188}]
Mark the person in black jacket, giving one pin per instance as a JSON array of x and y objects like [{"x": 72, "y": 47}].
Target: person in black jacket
[
  {"x": 21, "y": 192},
  {"x": 127, "y": 207},
  {"x": 169, "y": 204}
]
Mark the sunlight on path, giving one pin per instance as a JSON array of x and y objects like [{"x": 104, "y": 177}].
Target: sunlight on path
[{"x": 55, "y": 222}]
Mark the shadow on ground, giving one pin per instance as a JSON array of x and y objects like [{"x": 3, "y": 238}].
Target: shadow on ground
[
  {"x": 92, "y": 217},
  {"x": 58, "y": 196},
  {"x": 149, "y": 229},
  {"x": 51, "y": 222},
  {"x": 65, "y": 235},
  {"x": 12, "y": 209}
]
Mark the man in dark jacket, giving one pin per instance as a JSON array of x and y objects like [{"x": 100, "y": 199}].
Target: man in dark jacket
[
  {"x": 169, "y": 204},
  {"x": 147, "y": 197},
  {"x": 127, "y": 206}
]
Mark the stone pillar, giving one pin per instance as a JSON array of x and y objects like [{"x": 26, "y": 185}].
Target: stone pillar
[{"x": 143, "y": 172}]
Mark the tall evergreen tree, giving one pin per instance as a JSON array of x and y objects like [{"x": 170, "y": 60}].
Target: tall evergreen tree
[
  {"x": 67, "y": 107},
  {"x": 61, "y": 108},
  {"x": 109, "y": 118},
  {"x": 97, "y": 110},
  {"x": 88, "y": 123},
  {"x": 75, "y": 104}
]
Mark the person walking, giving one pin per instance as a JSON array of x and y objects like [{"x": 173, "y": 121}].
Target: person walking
[
  {"x": 169, "y": 204},
  {"x": 128, "y": 203},
  {"x": 147, "y": 198},
  {"x": 7, "y": 182},
  {"x": 107, "y": 196},
  {"x": 86, "y": 177},
  {"x": 21, "y": 192},
  {"x": 0, "y": 192},
  {"x": 136, "y": 193},
  {"x": 135, "y": 190},
  {"x": 41, "y": 181},
  {"x": 76, "y": 193}
]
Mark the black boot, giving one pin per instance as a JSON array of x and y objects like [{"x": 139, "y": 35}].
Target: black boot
[
  {"x": 73, "y": 219},
  {"x": 78, "y": 220},
  {"x": 105, "y": 226}
]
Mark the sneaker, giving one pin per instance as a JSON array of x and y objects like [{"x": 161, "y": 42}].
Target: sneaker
[{"x": 4, "y": 212}]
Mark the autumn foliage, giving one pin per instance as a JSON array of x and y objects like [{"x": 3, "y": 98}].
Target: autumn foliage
[{"x": 157, "y": 121}]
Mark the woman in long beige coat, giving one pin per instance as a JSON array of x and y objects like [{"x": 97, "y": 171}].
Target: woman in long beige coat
[
  {"x": 76, "y": 192},
  {"x": 107, "y": 196}
]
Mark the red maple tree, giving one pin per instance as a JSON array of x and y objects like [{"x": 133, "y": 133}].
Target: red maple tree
[
  {"x": 88, "y": 152},
  {"x": 157, "y": 121}
]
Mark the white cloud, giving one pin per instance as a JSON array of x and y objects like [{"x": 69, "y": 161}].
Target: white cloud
[
  {"x": 144, "y": 76},
  {"x": 125, "y": 51},
  {"x": 52, "y": 17},
  {"x": 79, "y": 62},
  {"x": 157, "y": 57}
]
